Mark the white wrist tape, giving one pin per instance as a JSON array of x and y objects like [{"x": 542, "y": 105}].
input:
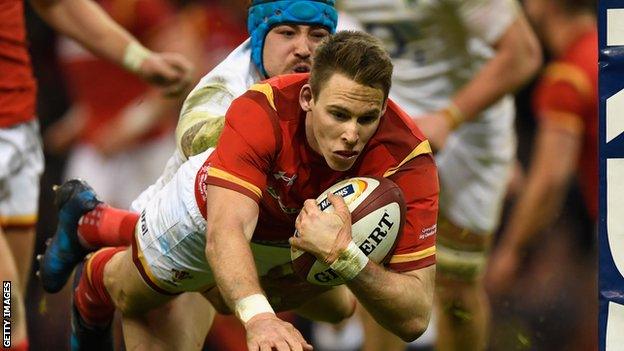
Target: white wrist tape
[
  {"x": 350, "y": 262},
  {"x": 134, "y": 56},
  {"x": 247, "y": 307}
]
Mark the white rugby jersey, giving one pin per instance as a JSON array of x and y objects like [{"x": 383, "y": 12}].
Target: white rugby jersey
[
  {"x": 437, "y": 46},
  {"x": 216, "y": 90},
  {"x": 210, "y": 99}
]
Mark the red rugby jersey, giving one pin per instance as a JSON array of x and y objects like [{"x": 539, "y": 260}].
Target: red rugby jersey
[
  {"x": 568, "y": 94},
  {"x": 263, "y": 153},
  {"x": 17, "y": 84}
]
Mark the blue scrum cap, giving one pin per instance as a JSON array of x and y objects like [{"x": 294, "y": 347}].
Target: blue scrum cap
[{"x": 264, "y": 15}]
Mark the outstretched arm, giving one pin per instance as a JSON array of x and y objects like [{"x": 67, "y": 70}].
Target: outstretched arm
[
  {"x": 516, "y": 60},
  {"x": 554, "y": 162},
  {"x": 86, "y": 22},
  {"x": 231, "y": 220}
]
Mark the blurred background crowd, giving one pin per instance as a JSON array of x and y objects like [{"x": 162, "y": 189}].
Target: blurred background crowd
[{"x": 82, "y": 103}]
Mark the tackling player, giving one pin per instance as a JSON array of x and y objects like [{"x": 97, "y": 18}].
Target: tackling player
[
  {"x": 22, "y": 160},
  {"x": 282, "y": 44},
  {"x": 195, "y": 232}
]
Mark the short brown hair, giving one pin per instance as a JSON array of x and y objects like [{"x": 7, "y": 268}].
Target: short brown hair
[{"x": 358, "y": 55}]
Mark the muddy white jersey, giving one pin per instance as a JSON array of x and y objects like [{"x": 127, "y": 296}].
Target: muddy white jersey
[
  {"x": 214, "y": 93},
  {"x": 436, "y": 46},
  {"x": 208, "y": 101}
]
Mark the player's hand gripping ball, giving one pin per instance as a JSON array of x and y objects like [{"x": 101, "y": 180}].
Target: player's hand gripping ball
[{"x": 377, "y": 212}]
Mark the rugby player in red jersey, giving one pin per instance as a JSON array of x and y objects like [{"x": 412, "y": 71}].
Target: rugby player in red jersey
[
  {"x": 566, "y": 104},
  {"x": 284, "y": 141}
]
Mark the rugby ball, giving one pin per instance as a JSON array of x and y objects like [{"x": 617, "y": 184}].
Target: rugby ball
[{"x": 377, "y": 215}]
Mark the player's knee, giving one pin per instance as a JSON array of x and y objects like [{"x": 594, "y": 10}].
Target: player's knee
[
  {"x": 335, "y": 308},
  {"x": 462, "y": 267},
  {"x": 457, "y": 312},
  {"x": 120, "y": 297}
]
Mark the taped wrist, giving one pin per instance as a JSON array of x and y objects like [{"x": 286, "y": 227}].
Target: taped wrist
[
  {"x": 247, "y": 307},
  {"x": 134, "y": 56},
  {"x": 350, "y": 262},
  {"x": 453, "y": 115}
]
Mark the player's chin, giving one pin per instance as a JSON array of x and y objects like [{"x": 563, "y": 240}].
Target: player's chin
[{"x": 340, "y": 163}]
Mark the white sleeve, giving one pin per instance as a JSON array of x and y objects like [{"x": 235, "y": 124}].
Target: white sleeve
[
  {"x": 348, "y": 22},
  {"x": 203, "y": 110},
  {"x": 488, "y": 19}
]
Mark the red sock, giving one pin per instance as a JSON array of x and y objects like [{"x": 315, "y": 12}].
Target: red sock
[
  {"x": 107, "y": 226},
  {"x": 90, "y": 296}
]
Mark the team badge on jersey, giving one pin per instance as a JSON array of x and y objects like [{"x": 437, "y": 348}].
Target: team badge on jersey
[{"x": 281, "y": 175}]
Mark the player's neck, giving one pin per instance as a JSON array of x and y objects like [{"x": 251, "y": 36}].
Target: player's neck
[{"x": 565, "y": 30}]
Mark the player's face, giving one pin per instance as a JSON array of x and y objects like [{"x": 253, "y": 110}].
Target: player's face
[
  {"x": 288, "y": 48},
  {"x": 341, "y": 119}
]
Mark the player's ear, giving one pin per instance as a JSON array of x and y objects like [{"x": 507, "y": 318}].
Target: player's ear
[
  {"x": 383, "y": 109},
  {"x": 305, "y": 98}
]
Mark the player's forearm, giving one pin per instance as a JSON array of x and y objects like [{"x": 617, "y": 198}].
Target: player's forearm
[
  {"x": 517, "y": 59},
  {"x": 553, "y": 164},
  {"x": 399, "y": 302},
  {"x": 536, "y": 208},
  {"x": 87, "y": 23},
  {"x": 231, "y": 260}
]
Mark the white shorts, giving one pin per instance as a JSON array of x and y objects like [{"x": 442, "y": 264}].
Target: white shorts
[
  {"x": 120, "y": 178},
  {"x": 474, "y": 169},
  {"x": 21, "y": 165},
  {"x": 170, "y": 238}
]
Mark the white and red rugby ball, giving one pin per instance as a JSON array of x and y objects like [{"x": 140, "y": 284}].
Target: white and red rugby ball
[{"x": 377, "y": 215}]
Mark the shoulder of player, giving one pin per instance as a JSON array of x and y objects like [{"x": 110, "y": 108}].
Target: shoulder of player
[
  {"x": 216, "y": 90},
  {"x": 279, "y": 94},
  {"x": 287, "y": 86},
  {"x": 577, "y": 65},
  {"x": 569, "y": 73}
]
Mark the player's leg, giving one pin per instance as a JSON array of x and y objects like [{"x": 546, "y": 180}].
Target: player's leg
[
  {"x": 21, "y": 243},
  {"x": 86, "y": 220},
  {"x": 332, "y": 306},
  {"x": 180, "y": 324},
  {"x": 141, "y": 282},
  {"x": 473, "y": 180},
  {"x": 8, "y": 273},
  {"x": 21, "y": 165},
  {"x": 377, "y": 337},
  {"x": 461, "y": 300},
  {"x": 109, "y": 281},
  {"x": 80, "y": 215}
]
